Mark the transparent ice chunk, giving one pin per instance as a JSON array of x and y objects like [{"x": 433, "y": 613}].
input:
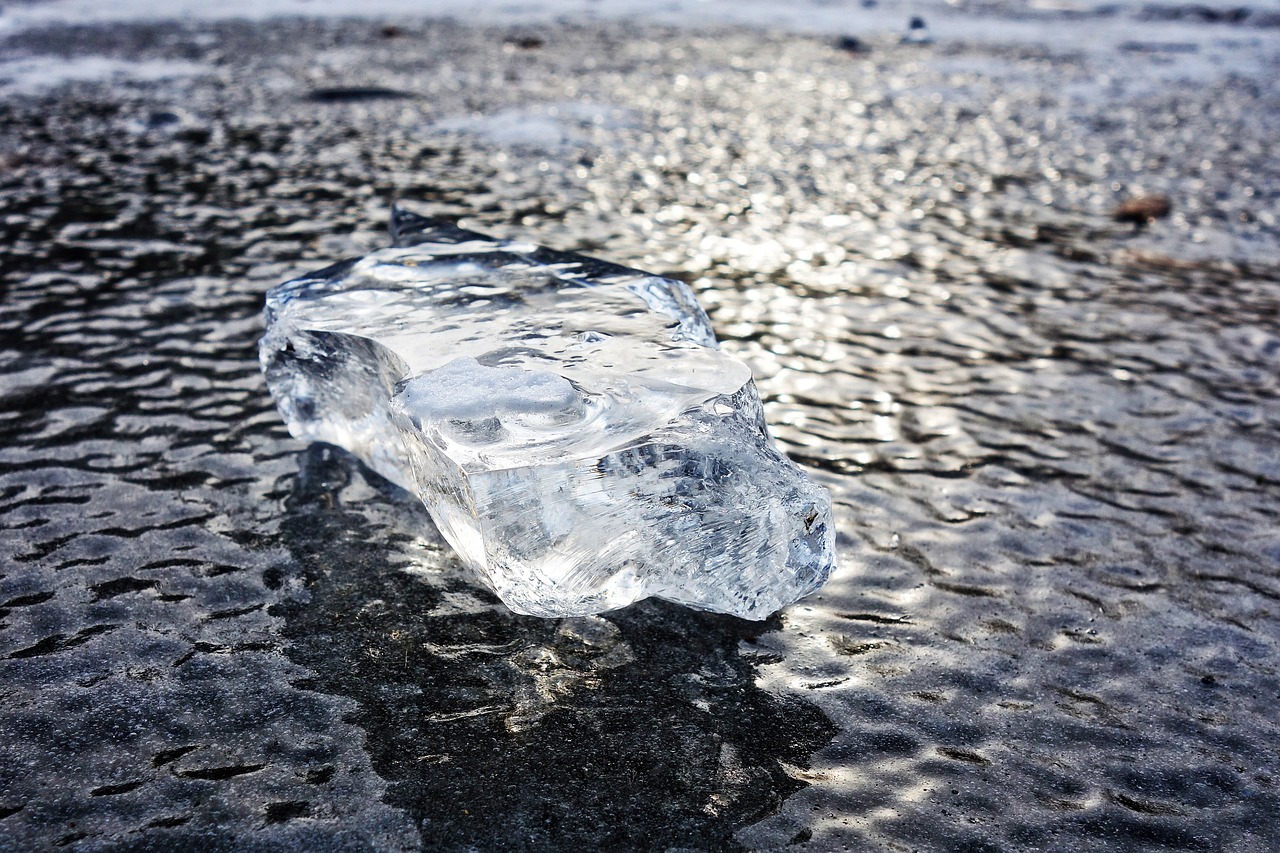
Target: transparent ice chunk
[{"x": 571, "y": 425}]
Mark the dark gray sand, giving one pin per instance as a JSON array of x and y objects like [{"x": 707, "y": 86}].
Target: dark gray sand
[{"x": 1053, "y": 440}]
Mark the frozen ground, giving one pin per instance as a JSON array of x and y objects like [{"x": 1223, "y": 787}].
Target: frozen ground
[{"x": 1052, "y": 440}]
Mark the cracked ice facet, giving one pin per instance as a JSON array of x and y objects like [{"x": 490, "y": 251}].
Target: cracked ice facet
[{"x": 571, "y": 425}]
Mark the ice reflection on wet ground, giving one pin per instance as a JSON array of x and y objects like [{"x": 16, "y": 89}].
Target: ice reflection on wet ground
[
  {"x": 643, "y": 729},
  {"x": 1052, "y": 440}
]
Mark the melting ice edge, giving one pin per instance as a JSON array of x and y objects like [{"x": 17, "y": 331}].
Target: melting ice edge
[{"x": 571, "y": 425}]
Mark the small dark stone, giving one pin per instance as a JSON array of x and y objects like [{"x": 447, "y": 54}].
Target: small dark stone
[
  {"x": 851, "y": 44},
  {"x": 1142, "y": 209},
  {"x": 526, "y": 42},
  {"x": 917, "y": 32},
  {"x": 194, "y": 135},
  {"x": 163, "y": 118},
  {"x": 391, "y": 31},
  {"x": 352, "y": 94}
]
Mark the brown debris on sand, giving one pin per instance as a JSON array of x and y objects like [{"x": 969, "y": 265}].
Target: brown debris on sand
[{"x": 1143, "y": 209}]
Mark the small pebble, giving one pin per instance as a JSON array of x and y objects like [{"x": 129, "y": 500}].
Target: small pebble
[
  {"x": 1142, "y": 209},
  {"x": 851, "y": 44},
  {"x": 917, "y": 32}
]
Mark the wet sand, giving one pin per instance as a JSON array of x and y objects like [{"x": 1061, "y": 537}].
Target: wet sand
[{"x": 1052, "y": 440}]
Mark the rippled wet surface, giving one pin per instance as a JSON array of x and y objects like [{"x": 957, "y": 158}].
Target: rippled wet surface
[{"x": 1052, "y": 440}]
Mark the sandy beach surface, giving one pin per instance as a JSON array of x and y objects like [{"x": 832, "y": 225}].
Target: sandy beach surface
[{"x": 1012, "y": 296}]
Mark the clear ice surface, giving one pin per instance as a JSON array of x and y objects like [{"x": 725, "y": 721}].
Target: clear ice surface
[{"x": 571, "y": 425}]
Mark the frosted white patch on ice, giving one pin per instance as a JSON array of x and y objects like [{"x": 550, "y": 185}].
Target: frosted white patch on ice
[
  {"x": 512, "y": 127},
  {"x": 543, "y": 126},
  {"x": 465, "y": 389},
  {"x": 36, "y": 74}
]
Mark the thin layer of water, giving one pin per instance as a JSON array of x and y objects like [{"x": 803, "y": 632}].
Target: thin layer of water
[{"x": 1051, "y": 438}]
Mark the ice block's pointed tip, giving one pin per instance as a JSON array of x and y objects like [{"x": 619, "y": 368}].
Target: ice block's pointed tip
[{"x": 409, "y": 229}]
